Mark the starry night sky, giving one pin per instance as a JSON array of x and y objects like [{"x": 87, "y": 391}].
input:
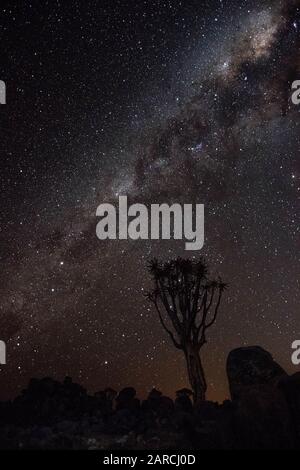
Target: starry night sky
[{"x": 163, "y": 101}]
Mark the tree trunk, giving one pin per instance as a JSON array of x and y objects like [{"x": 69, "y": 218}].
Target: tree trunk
[{"x": 195, "y": 373}]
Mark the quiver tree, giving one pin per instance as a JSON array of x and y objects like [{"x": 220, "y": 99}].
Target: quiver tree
[{"x": 187, "y": 302}]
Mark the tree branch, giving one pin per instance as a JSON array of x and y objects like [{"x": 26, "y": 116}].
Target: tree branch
[{"x": 176, "y": 343}]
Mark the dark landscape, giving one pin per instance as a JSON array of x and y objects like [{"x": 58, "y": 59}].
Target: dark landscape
[{"x": 263, "y": 413}]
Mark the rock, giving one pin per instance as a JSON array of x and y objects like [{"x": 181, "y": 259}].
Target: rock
[
  {"x": 47, "y": 401},
  {"x": 154, "y": 394},
  {"x": 250, "y": 366},
  {"x": 42, "y": 433},
  {"x": 123, "y": 421},
  {"x": 184, "y": 391},
  {"x": 110, "y": 393},
  {"x": 159, "y": 404},
  {"x": 262, "y": 419},
  {"x": 103, "y": 403},
  {"x": 68, "y": 427},
  {"x": 290, "y": 387},
  {"x": 92, "y": 443},
  {"x": 264, "y": 413},
  {"x": 184, "y": 403},
  {"x": 127, "y": 393},
  {"x": 126, "y": 400},
  {"x": 207, "y": 411}
]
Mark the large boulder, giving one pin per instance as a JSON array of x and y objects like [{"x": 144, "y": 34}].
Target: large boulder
[
  {"x": 262, "y": 419},
  {"x": 249, "y": 366},
  {"x": 290, "y": 387}
]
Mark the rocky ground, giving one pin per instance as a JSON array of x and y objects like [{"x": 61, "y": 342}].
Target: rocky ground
[{"x": 264, "y": 413}]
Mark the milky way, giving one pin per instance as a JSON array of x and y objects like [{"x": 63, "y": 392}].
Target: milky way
[{"x": 163, "y": 102}]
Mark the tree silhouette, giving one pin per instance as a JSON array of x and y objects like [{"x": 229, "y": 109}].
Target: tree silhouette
[{"x": 187, "y": 302}]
